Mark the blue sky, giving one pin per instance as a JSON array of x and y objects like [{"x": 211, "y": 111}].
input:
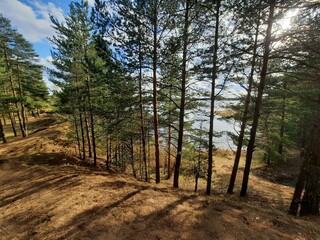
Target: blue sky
[{"x": 31, "y": 19}]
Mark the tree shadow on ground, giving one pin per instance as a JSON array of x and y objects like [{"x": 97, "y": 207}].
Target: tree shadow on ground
[
  {"x": 50, "y": 158},
  {"x": 134, "y": 210},
  {"x": 54, "y": 181},
  {"x": 282, "y": 174},
  {"x": 134, "y": 228}
]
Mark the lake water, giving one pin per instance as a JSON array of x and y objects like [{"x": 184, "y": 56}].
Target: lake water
[{"x": 222, "y": 126}]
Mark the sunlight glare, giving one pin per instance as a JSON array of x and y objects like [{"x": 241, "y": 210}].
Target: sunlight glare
[{"x": 286, "y": 22}]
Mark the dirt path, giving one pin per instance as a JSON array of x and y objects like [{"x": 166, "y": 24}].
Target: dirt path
[{"x": 47, "y": 194}]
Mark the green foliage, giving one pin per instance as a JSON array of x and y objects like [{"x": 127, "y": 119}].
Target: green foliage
[{"x": 22, "y": 87}]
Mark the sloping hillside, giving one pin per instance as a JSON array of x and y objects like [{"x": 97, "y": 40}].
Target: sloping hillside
[{"x": 47, "y": 193}]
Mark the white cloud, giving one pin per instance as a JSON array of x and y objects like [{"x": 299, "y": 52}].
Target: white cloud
[
  {"x": 47, "y": 63},
  {"x": 91, "y": 3},
  {"x": 43, "y": 10},
  {"x": 32, "y": 23}
]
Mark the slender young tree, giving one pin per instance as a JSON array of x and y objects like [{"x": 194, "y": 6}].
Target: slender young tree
[
  {"x": 185, "y": 42},
  {"x": 263, "y": 76},
  {"x": 212, "y": 99},
  {"x": 247, "y": 102},
  {"x": 71, "y": 57}
]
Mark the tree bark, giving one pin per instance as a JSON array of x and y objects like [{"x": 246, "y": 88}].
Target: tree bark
[
  {"x": 212, "y": 100},
  {"x": 169, "y": 145},
  {"x": 14, "y": 92},
  {"x": 283, "y": 114},
  {"x": 23, "y": 111},
  {"x": 268, "y": 142},
  {"x": 77, "y": 134},
  {"x": 263, "y": 76},
  {"x": 82, "y": 136},
  {"x": 132, "y": 158},
  {"x": 294, "y": 206},
  {"x": 142, "y": 125},
  {"x": 183, "y": 96},
  {"x": 311, "y": 198},
  {"x": 155, "y": 101},
  {"x": 110, "y": 152},
  {"x": 87, "y": 133},
  {"x": 2, "y": 134},
  {"x": 4, "y": 120},
  {"x": 197, "y": 173},
  {"x": 13, "y": 124},
  {"x": 93, "y": 138},
  {"x": 246, "y": 109},
  {"x": 149, "y": 153}
]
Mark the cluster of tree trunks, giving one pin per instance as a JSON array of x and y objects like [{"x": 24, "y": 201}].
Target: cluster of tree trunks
[{"x": 306, "y": 197}]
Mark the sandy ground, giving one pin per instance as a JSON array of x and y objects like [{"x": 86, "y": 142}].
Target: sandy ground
[{"x": 46, "y": 193}]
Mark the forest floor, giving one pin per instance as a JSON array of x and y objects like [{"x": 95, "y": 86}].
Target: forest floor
[{"x": 47, "y": 193}]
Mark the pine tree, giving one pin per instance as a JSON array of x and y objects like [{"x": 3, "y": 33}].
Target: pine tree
[
  {"x": 249, "y": 87},
  {"x": 212, "y": 100},
  {"x": 262, "y": 82},
  {"x": 22, "y": 85},
  {"x": 305, "y": 62},
  {"x": 72, "y": 58}
]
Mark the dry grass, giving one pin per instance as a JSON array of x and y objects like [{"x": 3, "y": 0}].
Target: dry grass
[{"x": 46, "y": 193}]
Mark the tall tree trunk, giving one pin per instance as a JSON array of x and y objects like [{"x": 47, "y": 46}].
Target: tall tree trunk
[
  {"x": 123, "y": 159},
  {"x": 87, "y": 133},
  {"x": 212, "y": 100},
  {"x": 82, "y": 136},
  {"x": 263, "y": 75},
  {"x": 268, "y": 142},
  {"x": 183, "y": 95},
  {"x": 107, "y": 153},
  {"x": 2, "y": 134},
  {"x": 169, "y": 146},
  {"x": 311, "y": 197},
  {"x": 169, "y": 138},
  {"x": 149, "y": 154},
  {"x": 197, "y": 173},
  {"x": 12, "y": 120},
  {"x": 142, "y": 127},
  {"x": 77, "y": 134},
  {"x": 283, "y": 114},
  {"x": 246, "y": 108},
  {"x": 132, "y": 158},
  {"x": 22, "y": 129},
  {"x": 116, "y": 152},
  {"x": 140, "y": 158},
  {"x": 110, "y": 151},
  {"x": 296, "y": 199},
  {"x": 23, "y": 111},
  {"x": 93, "y": 138},
  {"x": 4, "y": 120},
  {"x": 13, "y": 90},
  {"x": 155, "y": 101}
]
